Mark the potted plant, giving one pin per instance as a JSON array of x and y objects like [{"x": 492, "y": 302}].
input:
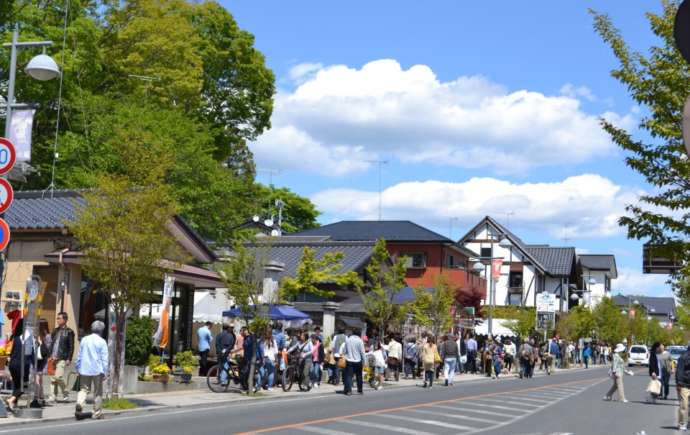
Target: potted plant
[
  {"x": 185, "y": 361},
  {"x": 161, "y": 373},
  {"x": 4, "y": 355}
]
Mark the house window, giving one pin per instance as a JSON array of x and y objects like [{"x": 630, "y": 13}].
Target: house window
[
  {"x": 515, "y": 280},
  {"x": 451, "y": 261},
  {"x": 485, "y": 252},
  {"x": 415, "y": 260}
]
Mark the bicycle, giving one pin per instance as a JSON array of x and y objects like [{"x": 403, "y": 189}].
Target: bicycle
[
  {"x": 213, "y": 376},
  {"x": 293, "y": 372}
]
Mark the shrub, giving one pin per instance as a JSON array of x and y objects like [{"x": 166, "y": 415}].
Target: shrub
[
  {"x": 118, "y": 404},
  {"x": 185, "y": 359},
  {"x": 139, "y": 340}
]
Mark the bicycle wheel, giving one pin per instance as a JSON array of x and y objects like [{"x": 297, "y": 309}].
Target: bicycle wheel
[
  {"x": 304, "y": 384},
  {"x": 287, "y": 378},
  {"x": 213, "y": 380}
]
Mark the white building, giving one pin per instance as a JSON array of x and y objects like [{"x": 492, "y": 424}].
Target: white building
[{"x": 595, "y": 272}]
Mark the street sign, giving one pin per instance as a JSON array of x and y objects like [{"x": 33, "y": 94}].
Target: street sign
[
  {"x": 546, "y": 321},
  {"x": 4, "y": 234},
  {"x": 546, "y": 302},
  {"x": 6, "y": 195},
  {"x": 7, "y": 155},
  {"x": 681, "y": 29}
]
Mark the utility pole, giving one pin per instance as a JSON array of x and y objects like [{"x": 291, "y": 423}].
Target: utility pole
[{"x": 379, "y": 163}]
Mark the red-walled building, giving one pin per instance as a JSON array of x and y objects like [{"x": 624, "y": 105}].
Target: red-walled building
[{"x": 429, "y": 254}]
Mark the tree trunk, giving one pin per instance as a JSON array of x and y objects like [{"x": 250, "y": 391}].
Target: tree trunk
[
  {"x": 118, "y": 358},
  {"x": 252, "y": 366}
]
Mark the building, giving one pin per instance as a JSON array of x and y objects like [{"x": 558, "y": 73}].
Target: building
[
  {"x": 429, "y": 254},
  {"x": 662, "y": 309},
  {"x": 42, "y": 245},
  {"x": 595, "y": 272},
  {"x": 526, "y": 270}
]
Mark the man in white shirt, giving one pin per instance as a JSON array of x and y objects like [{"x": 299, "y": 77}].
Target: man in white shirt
[
  {"x": 353, "y": 349},
  {"x": 510, "y": 351},
  {"x": 92, "y": 366}
]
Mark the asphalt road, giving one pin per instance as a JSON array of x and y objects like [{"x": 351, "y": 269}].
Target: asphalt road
[{"x": 567, "y": 403}]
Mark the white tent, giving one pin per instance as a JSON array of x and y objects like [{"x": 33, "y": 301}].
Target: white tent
[
  {"x": 208, "y": 307},
  {"x": 500, "y": 328}
]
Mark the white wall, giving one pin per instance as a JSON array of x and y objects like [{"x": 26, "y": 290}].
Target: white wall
[{"x": 598, "y": 290}]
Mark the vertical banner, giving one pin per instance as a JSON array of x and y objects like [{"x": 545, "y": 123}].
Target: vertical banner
[
  {"x": 496, "y": 265},
  {"x": 162, "y": 335},
  {"x": 20, "y": 133}
]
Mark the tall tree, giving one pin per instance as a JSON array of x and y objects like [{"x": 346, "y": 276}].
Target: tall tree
[
  {"x": 299, "y": 213},
  {"x": 434, "y": 308},
  {"x": 610, "y": 325},
  {"x": 313, "y": 274},
  {"x": 660, "y": 82},
  {"x": 386, "y": 281}
]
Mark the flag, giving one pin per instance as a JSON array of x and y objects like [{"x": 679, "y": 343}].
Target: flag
[
  {"x": 20, "y": 133},
  {"x": 496, "y": 265},
  {"x": 162, "y": 336}
]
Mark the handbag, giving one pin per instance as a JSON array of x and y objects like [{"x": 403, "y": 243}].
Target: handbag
[
  {"x": 437, "y": 357},
  {"x": 654, "y": 387},
  {"x": 463, "y": 359},
  {"x": 51, "y": 366},
  {"x": 342, "y": 362}
]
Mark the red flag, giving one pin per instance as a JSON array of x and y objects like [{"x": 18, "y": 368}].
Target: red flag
[{"x": 496, "y": 264}]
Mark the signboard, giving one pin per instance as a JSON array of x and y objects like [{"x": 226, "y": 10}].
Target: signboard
[
  {"x": 546, "y": 321},
  {"x": 4, "y": 234},
  {"x": 6, "y": 195},
  {"x": 20, "y": 133},
  {"x": 496, "y": 265},
  {"x": 7, "y": 155},
  {"x": 546, "y": 302}
]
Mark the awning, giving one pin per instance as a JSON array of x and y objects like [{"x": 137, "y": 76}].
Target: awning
[
  {"x": 275, "y": 312},
  {"x": 499, "y": 328}
]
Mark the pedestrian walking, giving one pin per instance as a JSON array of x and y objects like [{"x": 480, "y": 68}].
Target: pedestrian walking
[
  {"x": 509, "y": 358},
  {"x": 92, "y": 367},
  {"x": 683, "y": 388},
  {"x": 394, "y": 350},
  {"x": 616, "y": 374},
  {"x": 42, "y": 354},
  {"x": 61, "y": 352},
  {"x": 22, "y": 342},
  {"x": 666, "y": 370},
  {"x": 353, "y": 350},
  {"x": 317, "y": 356},
  {"x": 430, "y": 358},
  {"x": 411, "y": 357},
  {"x": 379, "y": 369},
  {"x": 526, "y": 360},
  {"x": 269, "y": 349},
  {"x": 655, "y": 372},
  {"x": 449, "y": 354},
  {"x": 587, "y": 354},
  {"x": 204, "y": 346},
  {"x": 471, "y": 344}
]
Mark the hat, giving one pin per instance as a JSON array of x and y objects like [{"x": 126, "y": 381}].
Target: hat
[{"x": 619, "y": 348}]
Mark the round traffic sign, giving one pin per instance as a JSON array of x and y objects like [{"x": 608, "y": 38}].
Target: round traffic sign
[
  {"x": 4, "y": 234},
  {"x": 7, "y": 155},
  {"x": 6, "y": 195},
  {"x": 681, "y": 29}
]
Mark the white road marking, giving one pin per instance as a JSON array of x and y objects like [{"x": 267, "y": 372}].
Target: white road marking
[
  {"x": 323, "y": 430},
  {"x": 530, "y": 399},
  {"x": 476, "y": 411},
  {"x": 488, "y": 405},
  {"x": 453, "y": 415},
  {"x": 386, "y": 427},
  {"x": 512, "y": 402},
  {"x": 431, "y": 422}
]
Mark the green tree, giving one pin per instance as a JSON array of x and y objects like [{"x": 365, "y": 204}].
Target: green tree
[
  {"x": 312, "y": 274},
  {"x": 577, "y": 323},
  {"x": 123, "y": 235},
  {"x": 386, "y": 281},
  {"x": 299, "y": 213},
  {"x": 610, "y": 325},
  {"x": 433, "y": 308},
  {"x": 138, "y": 337},
  {"x": 522, "y": 320},
  {"x": 660, "y": 82}
]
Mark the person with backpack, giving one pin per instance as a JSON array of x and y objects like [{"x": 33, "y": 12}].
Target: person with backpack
[
  {"x": 411, "y": 356},
  {"x": 683, "y": 388}
]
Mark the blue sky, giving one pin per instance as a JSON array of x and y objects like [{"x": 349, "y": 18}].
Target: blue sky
[{"x": 478, "y": 108}]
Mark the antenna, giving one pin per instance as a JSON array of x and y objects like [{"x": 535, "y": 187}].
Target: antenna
[
  {"x": 508, "y": 215},
  {"x": 566, "y": 239},
  {"x": 379, "y": 163},
  {"x": 270, "y": 172}
]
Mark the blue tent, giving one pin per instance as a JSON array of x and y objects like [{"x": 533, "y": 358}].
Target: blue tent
[{"x": 275, "y": 312}]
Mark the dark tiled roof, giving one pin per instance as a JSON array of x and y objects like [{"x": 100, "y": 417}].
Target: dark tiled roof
[
  {"x": 654, "y": 305},
  {"x": 557, "y": 261},
  {"x": 41, "y": 210},
  {"x": 391, "y": 231},
  {"x": 356, "y": 254},
  {"x": 599, "y": 262}
]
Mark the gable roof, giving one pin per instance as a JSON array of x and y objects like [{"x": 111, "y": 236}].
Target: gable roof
[
  {"x": 43, "y": 210},
  {"x": 654, "y": 305},
  {"x": 558, "y": 261},
  {"x": 515, "y": 240},
  {"x": 355, "y": 254},
  {"x": 599, "y": 262},
  {"x": 391, "y": 231}
]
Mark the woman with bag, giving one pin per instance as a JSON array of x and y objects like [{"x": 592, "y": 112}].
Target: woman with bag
[
  {"x": 655, "y": 372},
  {"x": 430, "y": 358},
  {"x": 43, "y": 342},
  {"x": 616, "y": 374}
]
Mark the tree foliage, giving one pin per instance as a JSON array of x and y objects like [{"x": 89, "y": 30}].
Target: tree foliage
[
  {"x": 138, "y": 337},
  {"x": 299, "y": 213},
  {"x": 312, "y": 274},
  {"x": 577, "y": 323},
  {"x": 610, "y": 325},
  {"x": 660, "y": 82},
  {"x": 386, "y": 281},
  {"x": 433, "y": 308},
  {"x": 522, "y": 320}
]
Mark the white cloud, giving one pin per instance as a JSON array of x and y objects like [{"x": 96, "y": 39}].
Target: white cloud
[
  {"x": 409, "y": 114},
  {"x": 589, "y": 205},
  {"x": 572, "y": 91},
  {"x": 633, "y": 281}
]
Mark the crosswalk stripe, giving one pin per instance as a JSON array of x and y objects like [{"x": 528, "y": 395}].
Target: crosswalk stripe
[
  {"x": 475, "y": 411},
  {"x": 454, "y": 415},
  {"x": 431, "y": 422},
  {"x": 548, "y": 394},
  {"x": 530, "y": 399},
  {"x": 386, "y": 427},
  {"x": 513, "y": 402},
  {"x": 566, "y": 389},
  {"x": 507, "y": 408},
  {"x": 323, "y": 430}
]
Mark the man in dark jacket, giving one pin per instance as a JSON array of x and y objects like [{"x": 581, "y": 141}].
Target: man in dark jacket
[
  {"x": 683, "y": 388},
  {"x": 449, "y": 354},
  {"x": 225, "y": 341},
  {"x": 61, "y": 351}
]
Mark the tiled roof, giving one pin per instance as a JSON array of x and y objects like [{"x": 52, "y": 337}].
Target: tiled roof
[
  {"x": 599, "y": 262},
  {"x": 558, "y": 261},
  {"x": 356, "y": 254},
  {"x": 391, "y": 231},
  {"x": 654, "y": 305},
  {"x": 41, "y": 210}
]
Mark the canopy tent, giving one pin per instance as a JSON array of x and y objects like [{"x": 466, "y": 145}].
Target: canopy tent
[
  {"x": 500, "y": 328},
  {"x": 275, "y": 312}
]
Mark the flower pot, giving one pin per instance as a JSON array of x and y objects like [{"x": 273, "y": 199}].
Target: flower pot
[
  {"x": 3, "y": 362},
  {"x": 186, "y": 378},
  {"x": 157, "y": 377}
]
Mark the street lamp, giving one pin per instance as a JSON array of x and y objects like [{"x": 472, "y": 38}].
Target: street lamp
[{"x": 41, "y": 67}]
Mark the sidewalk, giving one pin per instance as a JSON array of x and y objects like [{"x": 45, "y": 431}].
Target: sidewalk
[{"x": 201, "y": 397}]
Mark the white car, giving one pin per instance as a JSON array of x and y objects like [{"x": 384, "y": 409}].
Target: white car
[{"x": 638, "y": 355}]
